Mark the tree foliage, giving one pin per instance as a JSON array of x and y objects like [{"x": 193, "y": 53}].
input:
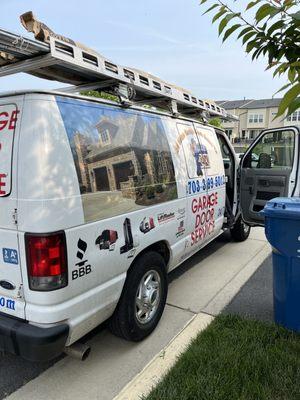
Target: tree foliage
[
  {"x": 100, "y": 95},
  {"x": 273, "y": 32},
  {"x": 217, "y": 122}
]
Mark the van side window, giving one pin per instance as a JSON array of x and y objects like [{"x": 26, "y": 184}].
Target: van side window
[
  {"x": 275, "y": 150},
  {"x": 122, "y": 158},
  {"x": 195, "y": 154}
]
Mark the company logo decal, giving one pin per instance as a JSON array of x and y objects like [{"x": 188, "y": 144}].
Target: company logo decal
[
  {"x": 180, "y": 229},
  {"x": 147, "y": 224},
  {"x": 7, "y": 285},
  {"x": 165, "y": 217},
  {"x": 181, "y": 213},
  {"x": 10, "y": 256},
  {"x": 82, "y": 267},
  {"x": 107, "y": 240}
]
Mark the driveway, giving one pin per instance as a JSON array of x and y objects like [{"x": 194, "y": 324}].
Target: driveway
[{"x": 205, "y": 283}]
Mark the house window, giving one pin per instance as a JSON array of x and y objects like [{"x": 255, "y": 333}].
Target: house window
[
  {"x": 256, "y": 118},
  {"x": 294, "y": 117},
  {"x": 104, "y": 137},
  {"x": 228, "y": 132}
]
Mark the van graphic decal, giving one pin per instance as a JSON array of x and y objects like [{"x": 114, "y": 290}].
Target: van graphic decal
[
  {"x": 107, "y": 240},
  {"x": 200, "y": 154},
  {"x": 10, "y": 256},
  {"x": 180, "y": 229},
  {"x": 147, "y": 224},
  {"x": 82, "y": 269},
  {"x": 128, "y": 238},
  {"x": 82, "y": 246},
  {"x": 165, "y": 217},
  {"x": 7, "y": 303},
  {"x": 122, "y": 158},
  {"x": 181, "y": 213}
]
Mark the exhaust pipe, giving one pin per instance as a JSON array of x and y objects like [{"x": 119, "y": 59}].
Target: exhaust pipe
[{"x": 78, "y": 350}]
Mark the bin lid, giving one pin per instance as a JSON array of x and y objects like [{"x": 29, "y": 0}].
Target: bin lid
[{"x": 283, "y": 207}]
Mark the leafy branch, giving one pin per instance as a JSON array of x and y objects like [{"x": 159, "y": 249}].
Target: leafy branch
[{"x": 274, "y": 33}]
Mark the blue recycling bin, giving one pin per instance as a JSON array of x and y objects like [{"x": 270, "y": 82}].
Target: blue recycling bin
[{"x": 282, "y": 227}]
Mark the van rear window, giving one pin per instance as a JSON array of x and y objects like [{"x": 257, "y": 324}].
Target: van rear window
[{"x": 8, "y": 119}]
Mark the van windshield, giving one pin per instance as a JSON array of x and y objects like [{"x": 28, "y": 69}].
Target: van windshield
[{"x": 8, "y": 119}]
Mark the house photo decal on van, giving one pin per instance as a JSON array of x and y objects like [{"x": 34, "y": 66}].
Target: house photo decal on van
[{"x": 122, "y": 158}]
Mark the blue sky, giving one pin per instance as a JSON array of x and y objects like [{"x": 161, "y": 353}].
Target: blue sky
[{"x": 168, "y": 38}]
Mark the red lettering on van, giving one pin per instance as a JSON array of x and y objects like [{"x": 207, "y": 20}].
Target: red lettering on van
[
  {"x": 2, "y": 184},
  {"x": 3, "y": 120},
  {"x": 11, "y": 120}
]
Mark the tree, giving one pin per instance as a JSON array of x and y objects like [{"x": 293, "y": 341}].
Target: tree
[
  {"x": 101, "y": 95},
  {"x": 273, "y": 32},
  {"x": 217, "y": 122}
]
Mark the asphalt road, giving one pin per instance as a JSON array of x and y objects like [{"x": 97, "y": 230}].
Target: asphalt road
[{"x": 255, "y": 299}]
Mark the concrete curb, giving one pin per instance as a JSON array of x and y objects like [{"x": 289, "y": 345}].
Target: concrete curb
[{"x": 162, "y": 362}]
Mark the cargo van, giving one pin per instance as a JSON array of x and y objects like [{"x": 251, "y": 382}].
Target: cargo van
[{"x": 99, "y": 202}]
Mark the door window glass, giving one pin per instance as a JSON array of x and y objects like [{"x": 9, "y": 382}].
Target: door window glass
[
  {"x": 275, "y": 150},
  {"x": 122, "y": 158}
]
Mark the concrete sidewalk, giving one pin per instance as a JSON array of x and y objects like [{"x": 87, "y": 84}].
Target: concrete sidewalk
[{"x": 203, "y": 284}]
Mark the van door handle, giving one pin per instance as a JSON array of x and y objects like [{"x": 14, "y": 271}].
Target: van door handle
[{"x": 251, "y": 189}]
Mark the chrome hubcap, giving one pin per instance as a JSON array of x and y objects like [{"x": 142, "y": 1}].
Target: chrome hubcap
[
  {"x": 148, "y": 297},
  {"x": 245, "y": 227}
]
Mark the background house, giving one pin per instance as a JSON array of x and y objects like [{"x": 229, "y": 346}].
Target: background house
[{"x": 254, "y": 116}]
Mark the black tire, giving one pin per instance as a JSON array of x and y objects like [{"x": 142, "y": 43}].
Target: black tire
[
  {"x": 240, "y": 231},
  {"x": 124, "y": 322}
]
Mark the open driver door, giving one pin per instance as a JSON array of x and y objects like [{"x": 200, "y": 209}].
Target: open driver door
[{"x": 268, "y": 169}]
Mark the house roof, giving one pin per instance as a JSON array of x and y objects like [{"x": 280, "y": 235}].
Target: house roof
[
  {"x": 249, "y": 103},
  {"x": 231, "y": 104},
  {"x": 263, "y": 103}
]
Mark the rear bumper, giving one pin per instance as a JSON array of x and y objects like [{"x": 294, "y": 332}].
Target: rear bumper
[{"x": 31, "y": 342}]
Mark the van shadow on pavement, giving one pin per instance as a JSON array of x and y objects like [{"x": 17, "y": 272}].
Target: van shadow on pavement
[{"x": 255, "y": 299}]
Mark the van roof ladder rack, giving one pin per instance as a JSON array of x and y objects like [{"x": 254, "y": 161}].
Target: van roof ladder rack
[{"x": 89, "y": 70}]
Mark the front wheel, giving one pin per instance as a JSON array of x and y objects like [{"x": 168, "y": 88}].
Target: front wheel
[
  {"x": 143, "y": 298},
  {"x": 240, "y": 230}
]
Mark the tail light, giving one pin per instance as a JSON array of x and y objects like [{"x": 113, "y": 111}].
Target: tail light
[{"x": 46, "y": 261}]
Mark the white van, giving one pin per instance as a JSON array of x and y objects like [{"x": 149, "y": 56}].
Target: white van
[{"x": 99, "y": 202}]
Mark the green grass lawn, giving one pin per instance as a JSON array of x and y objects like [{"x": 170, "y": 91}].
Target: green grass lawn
[{"x": 236, "y": 358}]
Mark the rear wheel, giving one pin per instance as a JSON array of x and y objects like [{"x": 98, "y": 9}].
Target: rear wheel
[
  {"x": 240, "y": 230},
  {"x": 143, "y": 298}
]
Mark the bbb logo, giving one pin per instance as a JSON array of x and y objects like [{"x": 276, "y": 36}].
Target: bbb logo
[{"x": 82, "y": 269}]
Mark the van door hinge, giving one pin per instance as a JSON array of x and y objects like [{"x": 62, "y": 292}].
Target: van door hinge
[
  {"x": 15, "y": 216},
  {"x": 20, "y": 293}
]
